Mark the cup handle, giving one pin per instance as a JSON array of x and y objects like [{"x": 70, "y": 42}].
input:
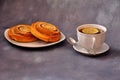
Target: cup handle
[{"x": 93, "y": 43}]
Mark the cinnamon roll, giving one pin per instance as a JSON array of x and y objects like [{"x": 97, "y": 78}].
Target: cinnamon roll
[
  {"x": 21, "y": 33},
  {"x": 46, "y": 31}
]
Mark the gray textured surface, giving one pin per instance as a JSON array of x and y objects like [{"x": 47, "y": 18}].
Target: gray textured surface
[{"x": 60, "y": 62}]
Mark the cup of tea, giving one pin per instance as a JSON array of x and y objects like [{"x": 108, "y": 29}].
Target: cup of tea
[{"x": 91, "y": 36}]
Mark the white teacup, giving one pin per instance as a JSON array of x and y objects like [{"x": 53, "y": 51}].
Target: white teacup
[{"x": 91, "y": 41}]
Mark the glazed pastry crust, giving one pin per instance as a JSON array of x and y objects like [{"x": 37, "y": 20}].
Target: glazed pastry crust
[
  {"x": 45, "y": 31},
  {"x": 21, "y": 33}
]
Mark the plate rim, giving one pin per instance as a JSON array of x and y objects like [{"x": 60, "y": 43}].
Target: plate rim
[{"x": 43, "y": 45}]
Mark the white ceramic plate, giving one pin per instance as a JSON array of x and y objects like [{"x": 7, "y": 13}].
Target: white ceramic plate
[
  {"x": 35, "y": 44},
  {"x": 105, "y": 47}
]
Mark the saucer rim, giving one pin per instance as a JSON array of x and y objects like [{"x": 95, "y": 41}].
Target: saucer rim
[{"x": 86, "y": 53}]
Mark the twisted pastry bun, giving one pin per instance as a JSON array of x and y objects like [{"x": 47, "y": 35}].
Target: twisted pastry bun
[
  {"x": 45, "y": 31},
  {"x": 21, "y": 33}
]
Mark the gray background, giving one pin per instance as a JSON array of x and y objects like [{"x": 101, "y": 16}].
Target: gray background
[{"x": 60, "y": 61}]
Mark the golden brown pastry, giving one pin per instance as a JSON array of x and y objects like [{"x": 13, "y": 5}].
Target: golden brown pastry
[
  {"x": 21, "y": 33},
  {"x": 45, "y": 31}
]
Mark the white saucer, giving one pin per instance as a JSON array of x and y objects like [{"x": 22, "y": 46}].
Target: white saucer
[{"x": 103, "y": 49}]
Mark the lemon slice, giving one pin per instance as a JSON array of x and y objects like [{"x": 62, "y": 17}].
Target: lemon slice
[{"x": 90, "y": 30}]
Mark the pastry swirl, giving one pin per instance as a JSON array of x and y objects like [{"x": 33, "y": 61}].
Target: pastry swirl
[
  {"x": 21, "y": 33},
  {"x": 45, "y": 31}
]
